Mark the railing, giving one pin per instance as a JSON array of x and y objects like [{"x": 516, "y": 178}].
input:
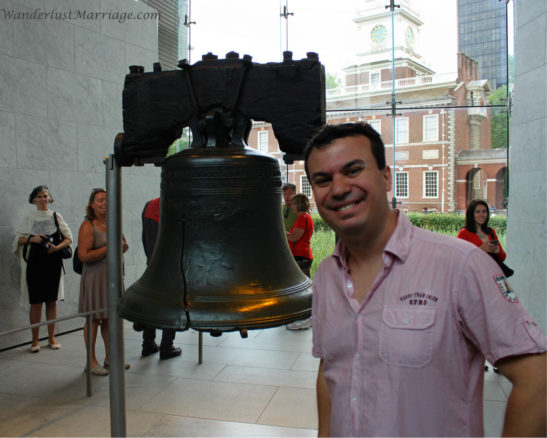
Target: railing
[
  {"x": 87, "y": 315},
  {"x": 403, "y": 83}
]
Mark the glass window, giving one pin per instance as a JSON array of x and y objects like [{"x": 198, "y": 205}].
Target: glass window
[
  {"x": 263, "y": 141},
  {"x": 431, "y": 188},
  {"x": 401, "y": 184},
  {"x": 376, "y": 124},
  {"x": 401, "y": 130},
  {"x": 305, "y": 186},
  {"x": 375, "y": 79},
  {"x": 431, "y": 127}
]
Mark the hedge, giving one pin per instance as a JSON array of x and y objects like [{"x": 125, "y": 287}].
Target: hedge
[{"x": 443, "y": 223}]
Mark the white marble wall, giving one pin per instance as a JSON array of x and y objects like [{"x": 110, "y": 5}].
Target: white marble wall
[
  {"x": 61, "y": 87},
  {"x": 527, "y": 223}
]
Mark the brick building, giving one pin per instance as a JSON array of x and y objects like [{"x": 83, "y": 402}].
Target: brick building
[{"x": 441, "y": 157}]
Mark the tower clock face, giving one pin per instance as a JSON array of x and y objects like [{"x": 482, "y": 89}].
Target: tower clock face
[{"x": 378, "y": 34}]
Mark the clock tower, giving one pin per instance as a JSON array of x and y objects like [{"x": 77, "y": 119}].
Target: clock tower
[{"x": 374, "y": 27}]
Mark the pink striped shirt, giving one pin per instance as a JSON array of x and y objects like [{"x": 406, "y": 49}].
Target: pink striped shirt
[{"x": 409, "y": 360}]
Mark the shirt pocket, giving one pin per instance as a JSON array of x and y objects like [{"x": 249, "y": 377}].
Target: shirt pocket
[{"x": 406, "y": 336}]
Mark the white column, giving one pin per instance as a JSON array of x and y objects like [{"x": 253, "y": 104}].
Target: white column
[{"x": 527, "y": 220}]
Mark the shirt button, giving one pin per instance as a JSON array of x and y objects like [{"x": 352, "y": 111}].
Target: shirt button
[
  {"x": 357, "y": 356},
  {"x": 405, "y": 321},
  {"x": 354, "y": 399}
]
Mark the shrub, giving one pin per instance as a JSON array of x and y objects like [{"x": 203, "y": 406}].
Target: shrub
[
  {"x": 319, "y": 224},
  {"x": 451, "y": 223},
  {"x": 322, "y": 241}
]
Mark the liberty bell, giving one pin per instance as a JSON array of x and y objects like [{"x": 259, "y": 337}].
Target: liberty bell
[{"x": 221, "y": 260}]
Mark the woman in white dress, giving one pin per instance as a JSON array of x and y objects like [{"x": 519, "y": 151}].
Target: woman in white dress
[{"x": 41, "y": 274}]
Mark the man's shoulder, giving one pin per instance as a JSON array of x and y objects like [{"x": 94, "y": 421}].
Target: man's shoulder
[
  {"x": 328, "y": 265},
  {"x": 436, "y": 243}
]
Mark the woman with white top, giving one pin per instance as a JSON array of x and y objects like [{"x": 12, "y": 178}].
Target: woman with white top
[{"x": 41, "y": 274}]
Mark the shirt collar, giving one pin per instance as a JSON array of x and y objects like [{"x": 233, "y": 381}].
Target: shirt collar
[{"x": 398, "y": 244}]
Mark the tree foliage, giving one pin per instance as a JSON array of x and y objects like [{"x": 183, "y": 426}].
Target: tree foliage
[
  {"x": 332, "y": 81},
  {"x": 499, "y": 117}
]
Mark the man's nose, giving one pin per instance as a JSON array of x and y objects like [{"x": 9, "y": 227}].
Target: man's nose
[{"x": 340, "y": 186}]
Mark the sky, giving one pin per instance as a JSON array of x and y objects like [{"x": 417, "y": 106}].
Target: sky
[{"x": 254, "y": 27}]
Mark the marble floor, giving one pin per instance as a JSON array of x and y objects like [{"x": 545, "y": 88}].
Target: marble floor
[{"x": 259, "y": 386}]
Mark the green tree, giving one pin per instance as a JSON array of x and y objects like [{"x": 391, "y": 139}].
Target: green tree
[
  {"x": 499, "y": 117},
  {"x": 180, "y": 143},
  {"x": 332, "y": 81}
]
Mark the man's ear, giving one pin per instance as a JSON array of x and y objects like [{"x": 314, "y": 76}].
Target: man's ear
[{"x": 387, "y": 178}]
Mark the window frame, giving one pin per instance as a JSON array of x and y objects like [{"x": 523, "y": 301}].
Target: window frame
[
  {"x": 427, "y": 129},
  {"x": 397, "y": 193},
  {"x": 376, "y": 122},
  {"x": 425, "y": 188},
  {"x": 398, "y": 122},
  {"x": 305, "y": 186},
  {"x": 262, "y": 145}
]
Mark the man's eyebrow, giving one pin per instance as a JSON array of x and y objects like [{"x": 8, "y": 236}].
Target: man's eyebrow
[
  {"x": 319, "y": 175},
  {"x": 353, "y": 163}
]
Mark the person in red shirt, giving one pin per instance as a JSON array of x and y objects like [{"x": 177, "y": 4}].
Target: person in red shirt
[
  {"x": 150, "y": 228},
  {"x": 477, "y": 231},
  {"x": 299, "y": 237}
]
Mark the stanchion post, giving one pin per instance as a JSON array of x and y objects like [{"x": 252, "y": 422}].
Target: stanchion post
[
  {"x": 115, "y": 285},
  {"x": 88, "y": 319}
]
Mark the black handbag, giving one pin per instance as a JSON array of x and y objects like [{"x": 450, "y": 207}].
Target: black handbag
[
  {"x": 77, "y": 264},
  {"x": 507, "y": 271},
  {"x": 57, "y": 238}
]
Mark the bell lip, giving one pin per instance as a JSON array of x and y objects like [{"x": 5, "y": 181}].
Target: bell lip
[
  {"x": 228, "y": 326},
  {"x": 200, "y": 317}
]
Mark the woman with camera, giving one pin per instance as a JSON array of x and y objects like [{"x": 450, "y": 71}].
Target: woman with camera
[
  {"x": 477, "y": 231},
  {"x": 41, "y": 274}
]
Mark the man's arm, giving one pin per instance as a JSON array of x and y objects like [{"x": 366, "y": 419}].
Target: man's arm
[
  {"x": 526, "y": 406},
  {"x": 323, "y": 403}
]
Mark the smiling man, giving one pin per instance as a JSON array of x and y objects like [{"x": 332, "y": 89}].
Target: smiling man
[{"x": 403, "y": 318}]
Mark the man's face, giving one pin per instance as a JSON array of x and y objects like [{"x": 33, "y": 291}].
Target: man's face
[
  {"x": 348, "y": 188},
  {"x": 287, "y": 194}
]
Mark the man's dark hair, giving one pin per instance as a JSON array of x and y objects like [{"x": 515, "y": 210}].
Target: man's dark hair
[
  {"x": 470, "y": 224},
  {"x": 330, "y": 133},
  {"x": 288, "y": 186}
]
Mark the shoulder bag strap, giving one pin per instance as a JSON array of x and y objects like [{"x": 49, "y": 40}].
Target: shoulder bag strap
[
  {"x": 57, "y": 224},
  {"x": 25, "y": 247}
]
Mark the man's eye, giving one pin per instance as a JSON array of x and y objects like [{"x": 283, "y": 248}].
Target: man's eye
[
  {"x": 354, "y": 170},
  {"x": 320, "y": 181}
]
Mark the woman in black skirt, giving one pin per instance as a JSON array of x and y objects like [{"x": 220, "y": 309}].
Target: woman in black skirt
[{"x": 42, "y": 272}]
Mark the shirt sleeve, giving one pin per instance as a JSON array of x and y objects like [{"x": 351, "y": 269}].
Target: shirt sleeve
[
  {"x": 501, "y": 255},
  {"x": 492, "y": 317},
  {"x": 22, "y": 230},
  {"x": 63, "y": 227},
  {"x": 300, "y": 222}
]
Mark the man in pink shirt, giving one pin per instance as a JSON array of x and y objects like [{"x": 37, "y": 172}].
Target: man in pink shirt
[{"x": 403, "y": 318}]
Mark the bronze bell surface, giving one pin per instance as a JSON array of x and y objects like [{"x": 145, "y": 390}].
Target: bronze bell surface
[{"x": 221, "y": 261}]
